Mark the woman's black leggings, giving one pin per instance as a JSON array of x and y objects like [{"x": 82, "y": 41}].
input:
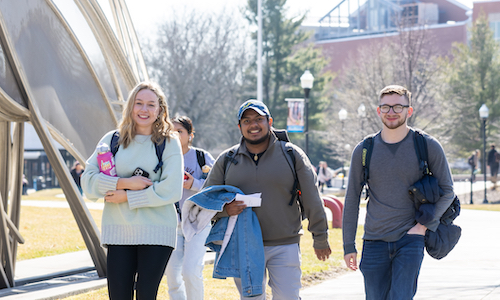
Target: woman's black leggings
[{"x": 125, "y": 261}]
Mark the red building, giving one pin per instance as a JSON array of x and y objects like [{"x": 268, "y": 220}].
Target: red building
[{"x": 349, "y": 25}]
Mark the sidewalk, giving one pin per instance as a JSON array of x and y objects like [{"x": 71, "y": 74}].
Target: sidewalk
[
  {"x": 471, "y": 271},
  {"x": 59, "y": 276}
]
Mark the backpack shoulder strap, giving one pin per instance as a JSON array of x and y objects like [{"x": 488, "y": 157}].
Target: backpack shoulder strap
[
  {"x": 366, "y": 157},
  {"x": 229, "y": 158},
  {"x": 114, "y": 142},
  {"x": 159, "y": 149},
  {"x": 200, "y": 156},
  {"x": 365, "y": 161},
  {"x": 159, "y": 153},
  {"x": 282, "y": 135},
  {"x": 421, "y": 151},
  {"x": 289, "y": 153}
]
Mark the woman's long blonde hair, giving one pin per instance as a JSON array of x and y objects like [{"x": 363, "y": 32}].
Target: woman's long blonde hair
[{"x": 162, "y": 127}]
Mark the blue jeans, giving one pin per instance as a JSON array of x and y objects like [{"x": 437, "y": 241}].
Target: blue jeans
[
  {"x": 185, "y": 268},
  {"x": 391, "y": 269}
]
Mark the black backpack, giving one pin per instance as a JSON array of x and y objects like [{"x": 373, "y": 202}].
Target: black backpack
[
  {"x": 200, "y": 156},
  {"x": 290, "y": 158},
  {"x": 159, "y": 149}
]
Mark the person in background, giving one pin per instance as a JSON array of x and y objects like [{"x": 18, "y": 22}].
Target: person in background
[
  {"x": 493, "y": 163},
  {"x": 139, "y": 220},
  {"x": 185, "y": 267},
  {"x": 263, "y": 168},
  {"x": 393, "y": 241},
  {"x": 25, "y": 185},
  {"x": 473, "y": 161},
  {"x": 76, "y": 172},
  {"x": 325, "y": 175}
]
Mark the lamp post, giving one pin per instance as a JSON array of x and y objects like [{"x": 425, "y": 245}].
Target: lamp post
[
  {"x": 361, "y": 116},
  {"x": 306, "y": 81},
  {"x": 342, "y": 118},
  {"x": 483, "y": 114},
  {"x": 347, "y": 148}
]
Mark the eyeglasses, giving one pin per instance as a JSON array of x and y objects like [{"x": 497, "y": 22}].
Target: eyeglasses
[{"x": 398, "y": 108}]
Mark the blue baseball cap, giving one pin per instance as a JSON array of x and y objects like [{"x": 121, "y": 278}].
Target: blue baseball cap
[{"x": 256, "y": 105}]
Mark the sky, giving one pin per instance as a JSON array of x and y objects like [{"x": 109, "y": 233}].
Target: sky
[{"x": 147, "y": 13}]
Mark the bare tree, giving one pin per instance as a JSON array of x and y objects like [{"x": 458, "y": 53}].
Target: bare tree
[
  {"x": 200, "y": 61},
  {"x": 406, "y": 59}
]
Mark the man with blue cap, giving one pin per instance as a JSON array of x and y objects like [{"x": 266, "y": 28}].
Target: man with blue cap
[{"x": 259, "y": 164}]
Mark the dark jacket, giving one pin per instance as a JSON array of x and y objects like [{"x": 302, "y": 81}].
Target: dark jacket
[{"x": 438, "y": 243}]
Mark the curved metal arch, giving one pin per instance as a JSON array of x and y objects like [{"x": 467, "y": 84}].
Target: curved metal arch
[
  {"x": 33, "y": 92},
  {"x": 66, "y": 143},
  {"x": 122, "y": 32},
  {"x": 132, "y": 34},
  {"x": 84, "y": 57},
  {"x": 103, "y": 29},
  {"x": 93, "y": 22},
  {"x": 10, "y": 110},
  {"x": 84, "y": 220}
]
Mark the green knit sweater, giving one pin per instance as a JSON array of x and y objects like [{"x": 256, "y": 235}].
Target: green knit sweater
[{"x": 149, "y": 216}]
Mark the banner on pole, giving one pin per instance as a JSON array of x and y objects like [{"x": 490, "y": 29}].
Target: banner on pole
[{"x": 295, "y": 120}]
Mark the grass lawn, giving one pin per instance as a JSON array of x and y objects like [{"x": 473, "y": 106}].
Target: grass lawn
[
  {"x": 489, "y": 207},
  {"x": 50, "y": 231}
]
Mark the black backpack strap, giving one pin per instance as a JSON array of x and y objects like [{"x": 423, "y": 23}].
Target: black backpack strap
[
  {"x": 159, "y": 149},
  {"x": 178, "y": 209},
  {"x": 290, "y": 158},
  {"x": 365, "y": 161},
  {"x": 366, "y": 157},
  {"x": 114, "y": 142},
  {"x": 159, "y": 153},
  {"x": 421, "y": 151},
  {"x": 282, "y": 135},
  {"x": 229, "y": 158},
  {"x": 200, "y": 156}
]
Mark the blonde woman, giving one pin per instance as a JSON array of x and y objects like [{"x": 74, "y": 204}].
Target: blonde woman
[{"x": 139, "y": 219}]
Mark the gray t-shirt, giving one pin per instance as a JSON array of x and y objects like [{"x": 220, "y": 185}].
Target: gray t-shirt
[{"x": 390, "y": 209}]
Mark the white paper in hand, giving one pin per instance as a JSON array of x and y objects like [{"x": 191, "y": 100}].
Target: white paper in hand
[{"x": 252, "y": 200}]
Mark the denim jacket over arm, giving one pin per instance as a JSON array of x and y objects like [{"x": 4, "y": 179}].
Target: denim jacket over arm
[{"x": 243, "y": 256}]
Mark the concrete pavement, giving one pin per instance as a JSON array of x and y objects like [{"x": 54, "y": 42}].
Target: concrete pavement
[{"x": 471, "y": 270}]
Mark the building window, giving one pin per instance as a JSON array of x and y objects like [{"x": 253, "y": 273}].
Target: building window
[
  {"x": 495, "y": 26},
  {"x": 494, "y": 19}
]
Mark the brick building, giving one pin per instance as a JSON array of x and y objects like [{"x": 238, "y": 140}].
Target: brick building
[{"x": 354, "y": 24}]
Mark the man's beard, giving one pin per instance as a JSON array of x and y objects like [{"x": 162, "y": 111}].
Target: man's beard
[
  {"x": 259, "y": 141},
  {"x": 394, "y": 126}
]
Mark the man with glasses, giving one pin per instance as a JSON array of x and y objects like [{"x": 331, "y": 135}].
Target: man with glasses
[{"x": 393, "y": 246}]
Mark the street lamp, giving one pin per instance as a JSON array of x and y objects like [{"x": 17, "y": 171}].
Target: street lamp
[
  {"x": 306, "y": 81},
  {"x": 342, "y": 117},
  {"x": 483, "y": 114},
  {"x": 347, "y": 148},
  {"x": 361, "y": 115}
]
